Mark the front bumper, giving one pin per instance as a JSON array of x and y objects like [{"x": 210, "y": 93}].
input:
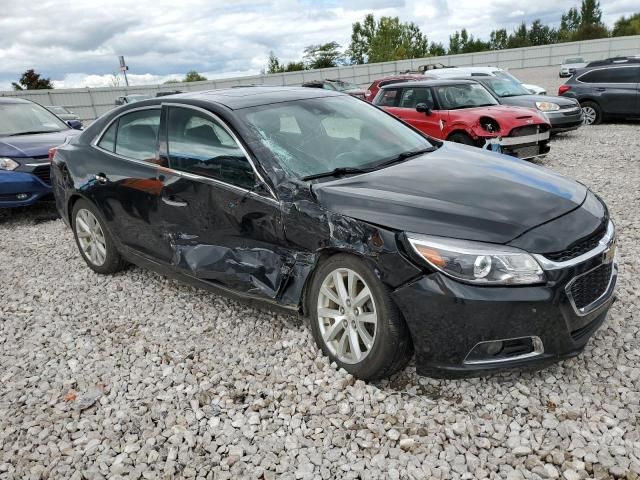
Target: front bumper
[
  {"x": 566, "y": 119},
  {"x": 21, "y": 188},
  {"x": 448, "y": 319},
  {"x": 524, "y": 147}
]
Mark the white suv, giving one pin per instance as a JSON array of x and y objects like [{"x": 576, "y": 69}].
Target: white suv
[{"x": 452, "y": 72}]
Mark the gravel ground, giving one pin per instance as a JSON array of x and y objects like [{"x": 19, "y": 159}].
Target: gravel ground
[{"x": 137, "y": 376}]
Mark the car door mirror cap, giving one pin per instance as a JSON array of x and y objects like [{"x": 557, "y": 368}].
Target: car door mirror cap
[{"x": 425, "y": 108}]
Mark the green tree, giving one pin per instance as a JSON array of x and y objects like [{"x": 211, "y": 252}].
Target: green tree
[
  {"x": 273, "y": 64},
  {"x": 498, "y": 39},
  {"x": 193, "y": 76},
  {"x": 294, "y": 67},
  {"x": 30, "y": 80},
  {"x": 585, "y": 24},
  {"x": 627, "y": 26},
  {"x": 463, "y": 42},
  {"x": 385, "y": 40},
  {"x": 569, "y": 24},
  {"x": 437, "y": 49},
  {"x": 323, "y": 56},
  {"x": 540, "y": 34},
  {"x": 590, "y": 13}
]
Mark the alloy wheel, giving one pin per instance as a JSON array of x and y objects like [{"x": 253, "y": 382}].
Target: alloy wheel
[
  {"x": 589, "y": 115},
  {"x": 347, "y": 315},
  {"x": 91, "y": 237}
]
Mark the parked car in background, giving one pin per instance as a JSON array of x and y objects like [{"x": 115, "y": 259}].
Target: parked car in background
[
  {"x": 318, "y": 203},
  {"x": 372, "y": 91},
  {"x": 27, "y": 132},
  {"x": 127, "y": 99},
  {"x": 606, "y": 92},
  {"x": 570, "y": 65},
  {"x": 463, "y": 111},
  {"x": 65, "y": 114},
  {"x": 337, "y": 86},
  {"x": 564, "y": 114},
  {"x": 454, "y": 72}
]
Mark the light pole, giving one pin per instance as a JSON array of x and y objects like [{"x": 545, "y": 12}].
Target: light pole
[{"x": 123, "y": 69}]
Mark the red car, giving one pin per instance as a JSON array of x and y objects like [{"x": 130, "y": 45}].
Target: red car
[
  {"x": 373, "y": 89},
  {"x": 464, "y": 111}
]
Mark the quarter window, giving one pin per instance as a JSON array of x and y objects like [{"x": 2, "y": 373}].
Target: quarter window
[
  {"x": 108, "y": 141},
  {"x": 198, "y": 144}
]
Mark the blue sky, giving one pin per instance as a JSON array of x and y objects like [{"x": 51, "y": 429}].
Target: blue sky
[{"x": 77, "y": 43}]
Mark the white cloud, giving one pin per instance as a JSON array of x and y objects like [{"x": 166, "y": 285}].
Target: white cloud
[{"x": 162, "y": 39}]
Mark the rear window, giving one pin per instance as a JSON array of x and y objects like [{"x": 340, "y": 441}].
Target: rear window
[{"x": 612, "y": 75}]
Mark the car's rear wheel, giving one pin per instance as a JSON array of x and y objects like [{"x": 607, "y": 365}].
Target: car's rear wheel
[
  {"x": 354, "y": 320},
  {"x": 461, "y": 137},
  {"x": 591, "y": 113},
  {"x": 94, "y": 240}
]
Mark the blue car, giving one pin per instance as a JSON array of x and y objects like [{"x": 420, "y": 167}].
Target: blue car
[{"x": 27, "y": 132}]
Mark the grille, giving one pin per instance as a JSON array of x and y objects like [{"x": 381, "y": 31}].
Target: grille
[
  {"x": 528, "y": 130},
  {"x": 43, "y": 173},
  {"x": 588, "y": 288},
  {"x": 577, "y": 249}
]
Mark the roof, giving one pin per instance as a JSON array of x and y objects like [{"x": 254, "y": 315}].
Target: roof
[
  {"x": 13, "y": 100},
  {"x": 237, "y": 98},
  {"x": 431, "y": 83}
]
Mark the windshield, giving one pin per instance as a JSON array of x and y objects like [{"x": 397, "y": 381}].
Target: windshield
[
  {"x": 23, "y": 118},
  {"x": 505, "y": 87},
  {"x": 344, "y": 86},
  {"x": 314, "y": 136},
  {"x": 137, "y": 98},
  {"x": 452, "y": 97}
]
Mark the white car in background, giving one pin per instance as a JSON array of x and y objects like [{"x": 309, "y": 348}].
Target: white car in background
[
  {"x": 453, "y": 72},
  {"x": 570, "y": 65}
]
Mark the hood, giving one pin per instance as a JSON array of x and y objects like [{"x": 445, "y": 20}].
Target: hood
[
  {"x": 37, "y": 145},
  {"x": 457, "y": 191},
  {"x": 530, "y": 100},
  {"x": 503, "y": 114}
]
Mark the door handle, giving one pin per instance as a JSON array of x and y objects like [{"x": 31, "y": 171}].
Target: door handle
[
  {"x": 600, "y": 89},
  {"x": 101, "y": 178},
  {"x": 174, "y": 201}
]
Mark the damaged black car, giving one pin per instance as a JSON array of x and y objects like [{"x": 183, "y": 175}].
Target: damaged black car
[{"x": 315, "y": 202}]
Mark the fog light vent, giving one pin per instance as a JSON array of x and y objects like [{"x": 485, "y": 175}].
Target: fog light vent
[
  {"x": 22, "y": 196},
  {"x": 505, "y": 350}
]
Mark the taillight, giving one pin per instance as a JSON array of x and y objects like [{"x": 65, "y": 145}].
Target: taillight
[
  {"x": 563, "y": 89},
  {"x": 52, "y": 153}
]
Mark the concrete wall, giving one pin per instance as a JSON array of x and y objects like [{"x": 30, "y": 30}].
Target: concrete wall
[{"x": 526, "y": 63}]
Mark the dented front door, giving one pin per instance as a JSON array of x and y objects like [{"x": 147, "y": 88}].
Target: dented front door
[{"x": 222, "y": 224}]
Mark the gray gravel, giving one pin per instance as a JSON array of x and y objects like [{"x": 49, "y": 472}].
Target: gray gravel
[{"x": 137, "y": 376}]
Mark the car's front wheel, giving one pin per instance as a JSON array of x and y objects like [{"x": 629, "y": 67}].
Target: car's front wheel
[
  {"x": 354, "y": 320},
  {"x": 591, "y": 113},
  {"x": 94, "y": 240}
]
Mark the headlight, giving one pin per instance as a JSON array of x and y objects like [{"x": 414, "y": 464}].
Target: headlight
[
  {"x": 478, "y": 263},
  {"x": 8, "y": 164},
  {"x": 547, "y": 106}
]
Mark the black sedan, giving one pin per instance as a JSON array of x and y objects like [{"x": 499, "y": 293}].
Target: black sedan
[
  {"x": 318, "y": 203},
  {"x": 564, "y": 114}
]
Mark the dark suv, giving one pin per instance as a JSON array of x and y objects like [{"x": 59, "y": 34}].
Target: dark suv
[{"x": 611, "y": 90}]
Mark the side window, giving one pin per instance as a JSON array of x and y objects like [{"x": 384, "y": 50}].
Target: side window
[
  {"x": 389, "y": 97},
  {"x": 413, "y": 96},
  {"x": 612, "y": 75},
  {"x": 108, "y": 141},
  {"x": 198, "y": 144},
  {"x": 137, "y": 135}
]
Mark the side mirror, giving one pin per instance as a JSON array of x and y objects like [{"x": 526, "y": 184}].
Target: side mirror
[
  {"x": 75, "y": 124},
  {"x": 424, "y": 108}
]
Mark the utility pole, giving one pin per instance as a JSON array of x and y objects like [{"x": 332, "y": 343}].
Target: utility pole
[{"x": 123, "y": 69}]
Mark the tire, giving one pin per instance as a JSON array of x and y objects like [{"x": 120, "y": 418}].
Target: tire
[
  {"x": 594, "y": 112},
  {"x": 385, "y": 347},
  {"x": 461, "y": 137},
  {"x": 89, "y": 229}
]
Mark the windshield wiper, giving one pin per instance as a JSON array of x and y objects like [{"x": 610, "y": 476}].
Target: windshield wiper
[
  {"x": 336, "y": 172},
  {"x": 403, "y": 156},
  {"x": 34, "y": 132}
]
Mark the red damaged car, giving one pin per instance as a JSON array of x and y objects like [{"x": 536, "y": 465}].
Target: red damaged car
[{"x": 464, "y": 111}]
